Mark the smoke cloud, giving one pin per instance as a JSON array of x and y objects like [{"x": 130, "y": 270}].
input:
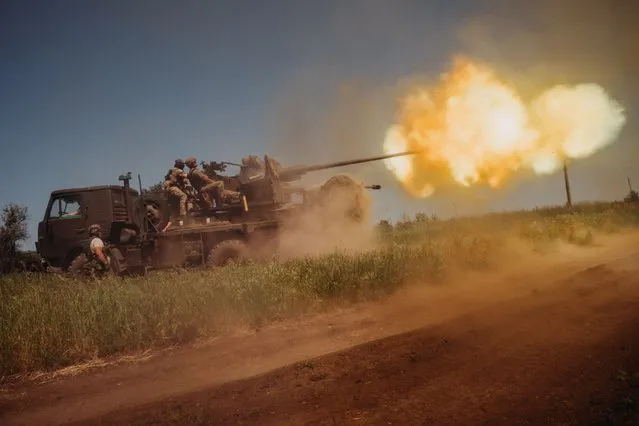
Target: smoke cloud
[
  {"x": 337, "y": 218},
  {"x": 579, "y": 120},
  {"x": 474, "y": 129}
]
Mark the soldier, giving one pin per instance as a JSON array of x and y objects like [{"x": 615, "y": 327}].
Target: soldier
[
  {"x": 176, "y": 184},
  {"x": 209, "y": 188},
  {"x": 96, "y": 246}
]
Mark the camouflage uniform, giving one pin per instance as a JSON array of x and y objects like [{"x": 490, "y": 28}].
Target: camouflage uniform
[
  {"x": 209, "y": 188},
  {"x": 230, "y": 197},
  {"x": 174, "y": 185}
]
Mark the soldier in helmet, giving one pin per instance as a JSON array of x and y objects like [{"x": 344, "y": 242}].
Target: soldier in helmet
[
  {"x": 94, "y": 261},
  {"x": 176, "y": 185},
  {"x": 96, "y": 253},
  {"x": 209, "y": 188}
]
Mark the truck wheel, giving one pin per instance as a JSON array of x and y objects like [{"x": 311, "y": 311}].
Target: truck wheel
[{"x": 226, "y": 251}]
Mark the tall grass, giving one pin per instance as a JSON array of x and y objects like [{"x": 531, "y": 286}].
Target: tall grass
[{"x": 48, "y": 321}]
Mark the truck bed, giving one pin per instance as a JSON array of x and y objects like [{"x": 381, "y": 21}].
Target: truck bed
[{"x": 245, "y": 227}]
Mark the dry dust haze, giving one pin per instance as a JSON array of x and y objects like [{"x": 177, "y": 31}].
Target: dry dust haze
[{"x": 337, "y": 219}]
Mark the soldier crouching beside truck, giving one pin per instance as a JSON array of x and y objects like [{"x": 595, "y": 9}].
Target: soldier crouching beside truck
[
  {"x": 96, "y": 247},
  {"x": 94, "y": 260}
]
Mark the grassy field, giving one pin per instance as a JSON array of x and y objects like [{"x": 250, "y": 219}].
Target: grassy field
[{"x": 50, "y": 321}]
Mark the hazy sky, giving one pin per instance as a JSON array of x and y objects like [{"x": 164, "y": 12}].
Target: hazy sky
[{"x": 89, "y": 89}]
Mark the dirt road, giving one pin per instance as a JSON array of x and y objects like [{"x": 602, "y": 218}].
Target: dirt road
[{"x": 551, "y": 341}]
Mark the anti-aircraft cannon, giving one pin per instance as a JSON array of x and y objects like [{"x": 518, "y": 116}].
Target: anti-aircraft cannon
[{"x": 264, "y": 186}]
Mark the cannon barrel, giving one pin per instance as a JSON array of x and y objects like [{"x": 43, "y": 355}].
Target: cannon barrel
[{"x": 295, "y": 172}]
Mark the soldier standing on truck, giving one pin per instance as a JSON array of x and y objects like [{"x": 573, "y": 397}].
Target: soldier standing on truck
[
  {"x": 209, "y": 188},
  {"x": 176, "y": 185}
]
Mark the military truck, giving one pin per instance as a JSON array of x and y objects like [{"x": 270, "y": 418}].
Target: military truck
[
  {"x": 70, "y": 211},
  {"x": 136, "y": 224}
]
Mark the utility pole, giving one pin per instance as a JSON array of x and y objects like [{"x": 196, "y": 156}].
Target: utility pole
[
  {"x": 629, "y": 184},
  {"x": 567, "y": 183}
]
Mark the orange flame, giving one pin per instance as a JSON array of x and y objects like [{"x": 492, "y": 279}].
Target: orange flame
[{"x": 477, "y": 130}]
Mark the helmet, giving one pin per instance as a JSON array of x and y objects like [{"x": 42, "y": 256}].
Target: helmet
[
  {"x": 95, "y": 229},
  {"x": 179, "y": 163},
  {"x": 191, "y": 161}
]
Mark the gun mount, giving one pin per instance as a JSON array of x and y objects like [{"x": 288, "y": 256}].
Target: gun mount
[
  {"x": 263, "y": 189},
  {"x": 214, "y": 166}
]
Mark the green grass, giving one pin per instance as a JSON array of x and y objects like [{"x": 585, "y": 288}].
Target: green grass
[{"x": 49, "y": 321}]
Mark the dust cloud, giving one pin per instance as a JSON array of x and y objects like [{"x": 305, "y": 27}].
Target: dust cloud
[
  {"x": 344, "y": 121},
  {"x": 337, "y": 219}
]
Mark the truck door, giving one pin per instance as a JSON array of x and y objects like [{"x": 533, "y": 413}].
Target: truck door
[{"x": 64, "y": 225}]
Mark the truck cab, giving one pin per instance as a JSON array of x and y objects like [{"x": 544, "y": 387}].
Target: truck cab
[{"x": 71, "y": 211}]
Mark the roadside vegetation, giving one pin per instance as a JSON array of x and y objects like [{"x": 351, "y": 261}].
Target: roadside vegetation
[{"x": 50, "y": 321}]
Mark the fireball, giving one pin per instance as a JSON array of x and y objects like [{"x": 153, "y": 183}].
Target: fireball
[{"x": 474, "y": 129}]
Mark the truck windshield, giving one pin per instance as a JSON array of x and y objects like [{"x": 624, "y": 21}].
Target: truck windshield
[{"x": 65, "y": 207}]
